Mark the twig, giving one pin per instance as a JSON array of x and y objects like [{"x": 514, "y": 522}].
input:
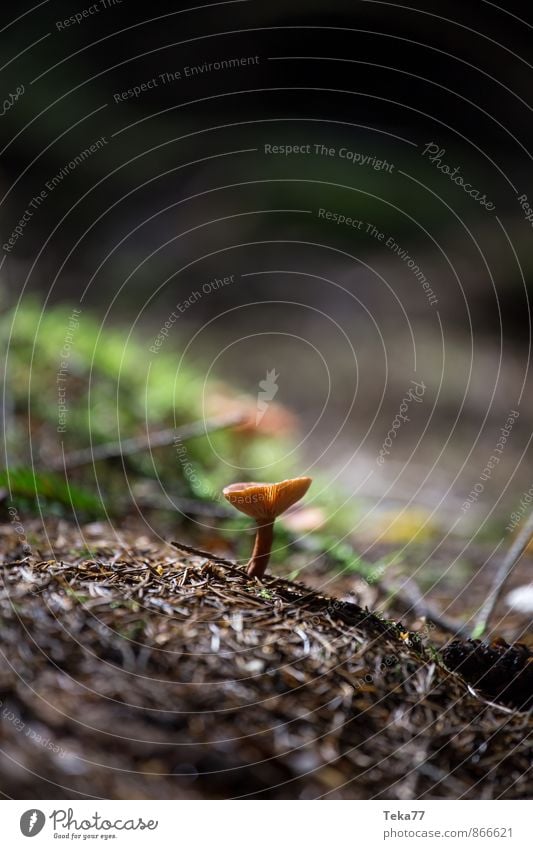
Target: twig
[
  {"x": 185, "y": 506},
  {"x": 136, "y": 444},
  {"x": 190, "y": 549},
  {"x": 505, "y": 568},
  {"x": 493, "y": 705},
  {"x": 410, "y": 595}
]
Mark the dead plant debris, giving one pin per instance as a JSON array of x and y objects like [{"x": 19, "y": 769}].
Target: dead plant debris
[{"x": 130, "y": 670}]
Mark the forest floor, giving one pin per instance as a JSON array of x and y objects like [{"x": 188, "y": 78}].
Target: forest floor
[{"x": 132, "y": 670}]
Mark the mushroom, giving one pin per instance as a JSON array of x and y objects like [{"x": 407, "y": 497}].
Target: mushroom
[{"x": 264, "y": 502}]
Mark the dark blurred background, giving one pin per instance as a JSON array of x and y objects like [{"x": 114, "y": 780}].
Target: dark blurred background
[{"x": 180, "y": 192}]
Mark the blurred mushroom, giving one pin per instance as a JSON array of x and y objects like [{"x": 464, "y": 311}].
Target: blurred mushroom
[
  {"x": 275, "y": 422},
  {"x": 264, "y": 502}
]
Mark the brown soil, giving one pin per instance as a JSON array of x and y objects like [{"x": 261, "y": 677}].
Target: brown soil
[{"x": 135, "y": 671}]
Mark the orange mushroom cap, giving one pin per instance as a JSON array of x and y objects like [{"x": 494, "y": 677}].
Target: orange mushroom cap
[{"x": 266, "y": 500}]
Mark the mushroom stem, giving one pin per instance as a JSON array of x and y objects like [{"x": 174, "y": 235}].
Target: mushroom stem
[{"x": 262, "y": 548}]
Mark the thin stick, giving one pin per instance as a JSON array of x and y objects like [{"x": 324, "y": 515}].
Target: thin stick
[
  {"x": 190, "y": 549},
  {"x": 185, "y": 506},
  {"x": 136, "y": 444},
  {"x": 410, "y": 595},
  {"x": 505, "y": 568}
]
